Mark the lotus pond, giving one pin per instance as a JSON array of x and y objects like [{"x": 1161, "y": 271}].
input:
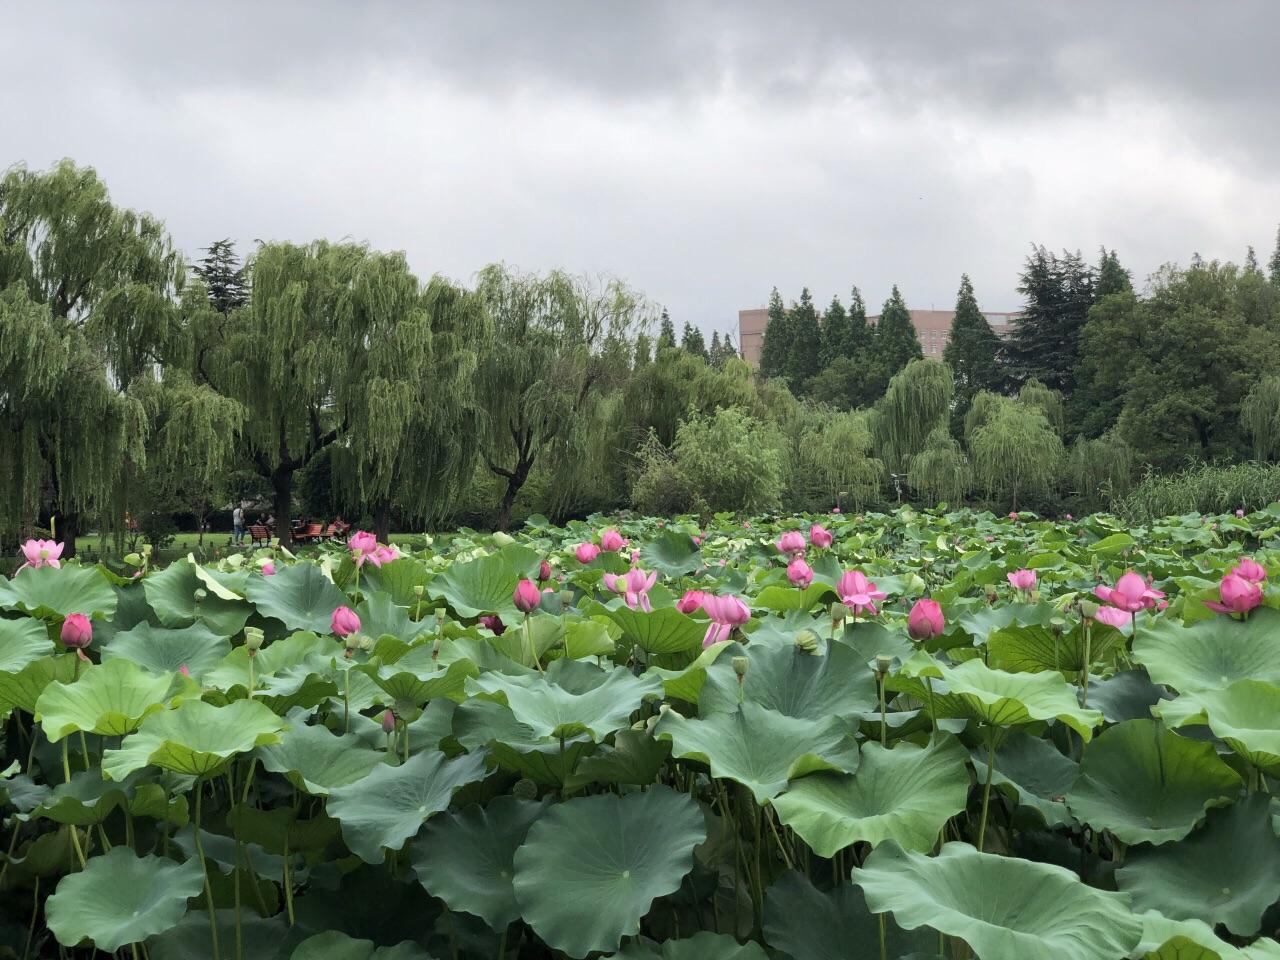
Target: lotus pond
[{"x": 654, "y": 739}]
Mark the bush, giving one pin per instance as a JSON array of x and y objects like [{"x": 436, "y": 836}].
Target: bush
[
  {"x": 731, "y": 461},
  {"x": 660, "y": 487}
]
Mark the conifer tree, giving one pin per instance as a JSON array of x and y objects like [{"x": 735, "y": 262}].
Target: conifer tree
[
  {"x": 692, "y": 341},
  {"x": 805, "y": 357},
  {"x": 1273, "y": 264},
  {"x": 666, "y": 333},
  {"x": 1112, "y": 278},
  {"x": 713, "y": 352},
  {"x": 835, "y": 332},
  {"x": 224, "y": 276},
  {"x": 971, "y": 352},
  {"x": 1045, "y": 343},
  {"x": 776, "y": 349},
  {"x": 857, "y": 330},
  {"x": 895, "y": 343}
]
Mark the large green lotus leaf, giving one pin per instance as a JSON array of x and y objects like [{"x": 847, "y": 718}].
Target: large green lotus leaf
[
  {"x": 22, "y": 641},
  {"x": 262, "y": 937},
  {"x": 701, "y": 946},
  {"x": 131, "y": 609},
  {"x": 1003, "y": 907},
  {"x": 1145, "y": 783},
  {"x": 905, "y": 794},
  {"x": 380, "y": 616},
  {"x": 590, "y": 638},
  {"x": 110, "y": 699},
  {"x": 1035, "y": 647},
  {"x": 761, "y": 748},
  {"x": 387, "y": 807},
  {"x": 686, "y": 683},
  {"x": 671, "y": 553},
  {"x": 869, "y": 639},
  {"x": 50, "y": 592},
  {"x": 1034, "y": 772},
  {"x": 786, "y": 599},
  {"x": 515, "y": 746},
  {"x": 806, "y": 923},
  {"x": 467, "y": 858},
  {"x": 121, "y": 898},
  {"x": 335, "y": 945},
  {"x": 572, "y": 697},
  {"x": 164, "y": 650},
  {"x": 196, "y": 738},
  {"x": 23, "y": 689},
  {"x": 1211, "y": 654},
  {"x": 1246, "y": 716},
  {"x": 784, "y": 678},
  {"x": 635, "y": 758},
  {"x": 591, "y": 867},
  {"x": 280, "y": 669},
  {"x": 89, "y": 799},
  {"x": 1226, "y": 872},
  {"x": 226, "y": 584},
  {"x": 665, "y": 630},
  {"x": 417, "y": 677},
  {"x": 172, "y": 595},
  {"x": 397, "y": 579},
  {"x": 1165, "y": 939},
  {"x": 317, "y": 761},
  {"x": 484, "y": 585},
  {"x": 299, "y": 596},
  {"x": 974, "y": 691},
  {"x": 1128, "y": 695}
]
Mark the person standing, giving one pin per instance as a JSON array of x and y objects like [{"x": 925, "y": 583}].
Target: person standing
[{"x": 237, "y": 525}]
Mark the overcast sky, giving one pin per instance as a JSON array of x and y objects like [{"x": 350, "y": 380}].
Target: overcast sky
[{"x": 703, "y": 151}]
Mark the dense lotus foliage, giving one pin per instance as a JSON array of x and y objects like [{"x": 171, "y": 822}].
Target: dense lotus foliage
[{"x": 825, "y": 738}]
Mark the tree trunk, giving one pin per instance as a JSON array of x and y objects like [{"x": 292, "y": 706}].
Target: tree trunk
[
  {"x": 514, "y": 482},
  {"x": 68, "y": 530},
  {"x": 382, "y": 522},
  {"x": 282, "y": 484}
]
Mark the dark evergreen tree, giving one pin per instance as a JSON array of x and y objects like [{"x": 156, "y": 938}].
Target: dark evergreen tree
[
  {"x": 857, "y": 331},
  {"x": 713, "y": 352},
  {"x": 666, "y": 332},
  {"x": 804, "y": 360},
  {"x": 727, "y": 352},
  {"x": 776, "y": 349},
  {"x": 895, "y": 343},
  {"x": 1274, "y": 263},
  {"x": 972, "y": 352},
  {"x": 1112, "y": 278},
  {"x": 835, "y": 332},
  {"x": 692, "y": 341},
  {"x": 1251, "y": 260},
  {"x": 1059, "y": 292},
  {"x": 224, "y": 276}
]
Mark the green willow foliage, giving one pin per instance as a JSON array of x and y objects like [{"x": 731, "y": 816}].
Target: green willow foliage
[
  {"x": 917, "y": 402},
  {"x": 941, "y": 472},
  {"x": 1014, "y": 449},
  {"x": 1260, "y": 416},
  {"x": 1101, "y": 471}
]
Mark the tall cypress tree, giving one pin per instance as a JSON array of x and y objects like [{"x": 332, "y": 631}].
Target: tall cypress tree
[
  {"x": 666, "y": 332},
  {"x": 713, "y": 352},
  {"x": 895, "y": 343},
  {"x": 223, "y": 274},
  {"x": 857, "y": 331},
  {"x": 805, "y": 357},
  {"x": 1274, "y": 263},
  {"x": 971, "y": 352},
  {"x": 1045, "y": 343},
  {"x": 835, "y": 332},
  {"x": 776, "y": 349},
  {"x": 1112, "y": 278},
  {"x": 692, "y": 341}
]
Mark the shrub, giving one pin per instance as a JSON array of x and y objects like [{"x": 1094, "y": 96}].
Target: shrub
[{"x": 732, "y": 461}]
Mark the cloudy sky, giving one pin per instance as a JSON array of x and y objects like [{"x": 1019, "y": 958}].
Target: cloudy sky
[{"x": 704, "y": 151}]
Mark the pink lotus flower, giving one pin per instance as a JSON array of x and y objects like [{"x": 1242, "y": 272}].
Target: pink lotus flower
[
  {"x": 1239, "y": 514},
  {"x": 544, "y": 571},
  {"x": 799, "y": 573},
  {"x": 388, "y": 721},
  {"x": 697, "y": 540},
  {"x": 363, "y": 546},
  {"x": 344, "y": 622},
  {"x": 634, "y": 587},
  {"x": 268, "y": 569},
  {"x": 1130, "y": 594},
  {"x": 1070, "y": 517},
  {"x": 858, "y": 593},
  {"x": 384, "y": 554},
  {"x": 493, "y": 623},
  {"x": 1112, "y": 617},
  {"x": 41, "y": 553},
  {"x": 835, "y": 509},
  {"x": 820, "y": 536},
  {"x": 635, "y": 556},
  {"x": 791, "y": 543},
  {"x": 925, "y": 619},
  {"x": 725, "y": 613},
  {"x": 611, "y": 539},
  {"x": 586, "y": 552},
  {"x": 691, "y": 601},
  {"x": 77, "y": 631},
  {"x": 184, "y": 671},
  {"x": 1013, "y": 516},
  {"x": 989, "y": 538},
  {"x": 1022, "y": 579},
  {"x": 746, "y": 524},
  {"x": 527, "y": 596},
  {"x": 1250, "y": 570},
  {"x": 1238, "y": 595}
]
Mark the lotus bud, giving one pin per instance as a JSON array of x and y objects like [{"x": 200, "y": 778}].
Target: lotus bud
[
  {"x": 807, "y": 641},
  {"x": 388, "y": 722},
  {"x": 544, "y": 571},
  {"x": 526, "y": 596},
  {"x": 77, "y": 631},
  {"x": 525, "y": 790},
  {"x": 740, "y": 665},
  {"x": 253, "y": 638},
  {"x": 884, "y": 663}
]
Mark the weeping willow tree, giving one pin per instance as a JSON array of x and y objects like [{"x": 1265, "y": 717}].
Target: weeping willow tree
[
  {"x": 559, "y": 345},
  {"x": 1047, "y": 401},
  {"x": 1101, "y": 470},
  {"x": 941, "y": 471},
  {"x": 86, "y": 307},
  {"x": 917, "y": 402},
  {"x": 1014, "y": 450},
  {"x": 835, "y": 462},
  {"x": 1260, "y": 417}
]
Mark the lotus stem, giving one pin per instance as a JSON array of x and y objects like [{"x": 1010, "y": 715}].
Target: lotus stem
[
  {"x": 986, "y": 790},
  {"x": 204, "y": 868},
  {"x": 346, "y": 700},
  {"x": 883, "y": 950},
  {"x": 1084, "y": 672}
]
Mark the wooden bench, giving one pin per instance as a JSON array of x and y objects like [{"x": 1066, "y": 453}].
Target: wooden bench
[
  {"x": 310, "y": 533},
  {"x": 260, "y": 535}
]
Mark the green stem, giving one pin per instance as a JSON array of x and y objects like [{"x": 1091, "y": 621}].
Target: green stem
[
  {"x": 204, "y": 868},
  {"x": 1084, "y": 674},
  {"x": 986, "y": 790},
  {"x": 288, "y": 882},
  {"x": 346, "y": 700},
  {"x": 933, "y": 712},
  {"x": 884, "y": 726},
  {"x": 883, "y": 953},
  {"x": 35, "y": 911}
]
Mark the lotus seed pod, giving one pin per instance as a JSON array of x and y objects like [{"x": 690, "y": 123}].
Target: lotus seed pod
[
  {"x": 740, "y": 665},
  {"x": 525, "y": 790},
  {"x": 200, "y": 595},
  {"x": 807, "y": 641},
  {"x": 418, "y": 590},
  {"x": 351, "y": 640},
  {"x": 884, "y": 663},
  {"x": 838, "y": 611},
  {"x": 366, "y": 643},
  {"x": 253, "y": 638}
]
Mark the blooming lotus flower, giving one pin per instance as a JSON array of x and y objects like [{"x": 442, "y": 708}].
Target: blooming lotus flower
[
  {"x": 493, "y": 623},
  {"x": 820, "y": 536},
  {"x": 858, "y": 593},
  {"x": 42, "y": 553},
  {"x": 363, "y": 545},
  {"x": 1069, "y": 517},
  {"x": 527, "y": 596},
  {"x": 1013, "y": 516},
  {"x": 586, "y": 552},
  {"x": 925, "y": 619},
  {"x": 1238, "y": 595},
  {"x": 1130, "y": 594},
  {"x": 384, "y": 554},
  {"x": 1112, "y": 617},
  {"x": 635, "y": 556},
  {"x": 634, "y": 587},
  {"x": 697, "y": 540},
  {"x": 691, "y": 601},
  {"x": 989, "y": 539},
  {"x": 791, "y": 543},
  {"x": 544, "y": 571},
  {"x": 344, "y": 622},
  {"x": 799, "y": 573},
  {"x": 725, "y": 613},
  {"x": 1239, "y": 514},
  {"x": 1022, "y": 579},
  {"x": 268, "y": 569},
  {"x": 1250, "y": 570},
  {"x": 77, "y": 631},
  {"x": 611, "y": 539}
]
